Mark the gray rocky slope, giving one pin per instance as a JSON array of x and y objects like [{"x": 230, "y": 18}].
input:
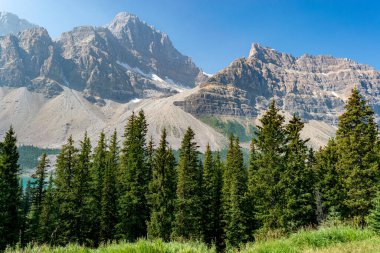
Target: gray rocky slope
[
  {"x": 124, "y": 60},
  {"x": 11, "y": 23},
  {"x": 315, "y": 87}
]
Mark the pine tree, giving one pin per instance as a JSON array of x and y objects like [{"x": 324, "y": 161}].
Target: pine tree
[
  {"x": 108, "y": 217},
  {"x": 48, "y": 218},
  {"x": 212, "y": 188},
  {"x": 135, "y": 174},
  {"x": 267, "y": 184},
  {"x": 374, "y": 216},
  {"x": 81, "y": 189},
  {"x": 38, "y": 192},
  {"x": 234, "y": 192},
  {"x": 299, "y": 179},
  {"x": 357, "y": 140},
  {"x": 10, "y": 194},
  {"x": 64, "y": 196},
  {"x": 162, "y": 191},
  {"x": 188, "y": 211},
  {"x": 97, "y": 176}
]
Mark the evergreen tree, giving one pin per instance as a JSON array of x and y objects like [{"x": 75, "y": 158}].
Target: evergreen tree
[
  {"x": 38, "y": 192},
  {"x": 298, "y": 178},
  {"x": 329, "y": 192},
  {"x": 212, "y": 187},
  {"x": 267, "y": 184},
  {"x": 64, "y": 196},
  {"x": 162, "y": 191},
  {"x": 47, "y": 225},
  {"x": 97, "y": 176},
  {"x": 357, "y": 141},
  {"x": 133, "y": 208},
  {"x": 234, "y": 192},
  {"x": 374, "y": 216},
  {"x": 10, "y": 194},
  {"x": 81, "y": 189},
  {"x": 188, "y": 211},
  {"x": 26, "y": 203},
  {"x": 250, "y": 195},
  {"x": 108, "y": 217}
]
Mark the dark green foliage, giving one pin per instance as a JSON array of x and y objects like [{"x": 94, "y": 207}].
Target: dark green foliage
[
  {"x": 81, "y": 190},
  {"x": 357, "y": 141},
  {"x": 10, "y": 193},
  {"x": 48, "y": 218},
  {"x": 64, "y": 197},
  {"x": 188, "y": 211},
  {"x": 374, "y": 216},
  {"x": 162, "y": 191},
  {"x": 298, "y": 179},
  {"x": 267, "y": 183},
  {"x": 108, "y": 216},
  {"x": 97, "y": 176},
  {"x": 135, "y": 175},
  {"x": 329, "y": 190},
  {"x": 37, "y": 196},
  {"x": 212, "y": 197},
  {"x": 234, "y": 192}
]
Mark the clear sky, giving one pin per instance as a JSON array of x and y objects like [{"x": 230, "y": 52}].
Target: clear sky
[{"x": 215, "y": 32}]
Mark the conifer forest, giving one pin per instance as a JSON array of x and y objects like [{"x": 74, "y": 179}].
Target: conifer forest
[{"x": 125, "y": 187}]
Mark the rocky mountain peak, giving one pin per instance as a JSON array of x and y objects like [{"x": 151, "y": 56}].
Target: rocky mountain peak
[{"x": 11, "y": 23}]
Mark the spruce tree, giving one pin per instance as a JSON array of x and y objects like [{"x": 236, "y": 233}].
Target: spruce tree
[
  {"x": 267, "y": 185},
  {"x": 234, "y": 192},
  {"x": 10, "y": 194},
  {"x": 97, "y": 176},
  {"x": 298, "y": 178},
  {"x": 48, "y": 218},
  {"x": 250, "y": 195},
  {"x": 162, "y": 191},
  {"x": 26, "y": 203},
  {"x": 38, "y": 192},
  {"x": 135, "y": 175},
  {"x": 358, "y": 159},
  {"x": 81, "y": 189},
  {"x": 212, "y": 188},
  {"x": 64, "y": 197},
  {"x": 329, "y": 192},
  {"x": 188, "y": 211},
  {"x": 108, "y": 216}
]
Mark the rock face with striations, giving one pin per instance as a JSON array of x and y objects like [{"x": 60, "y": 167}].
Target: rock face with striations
[
  {"x": 124, "y": 60},
  {"x": 11, "y": 23},
  {"x": 315, "y": 87}
]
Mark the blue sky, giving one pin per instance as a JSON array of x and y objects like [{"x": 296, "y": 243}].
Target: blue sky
[{"x": 215, "y": 32}]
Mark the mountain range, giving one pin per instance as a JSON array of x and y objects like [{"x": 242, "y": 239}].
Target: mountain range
[{"x": 92, "y": 78}]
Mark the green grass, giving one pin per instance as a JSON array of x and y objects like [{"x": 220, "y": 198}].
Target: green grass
[
  {"x": 325, "y": 240},
  {"x": 141, "y": 246}
]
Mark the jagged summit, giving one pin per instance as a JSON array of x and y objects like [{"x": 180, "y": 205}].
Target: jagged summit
[
  {"x": 11, "y": 24},
  {"x": 315, "y": 87},
  {"x": 125, "y": 60}
]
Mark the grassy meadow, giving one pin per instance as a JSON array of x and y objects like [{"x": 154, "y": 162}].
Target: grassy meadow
[{"x": 339, "y": 239}]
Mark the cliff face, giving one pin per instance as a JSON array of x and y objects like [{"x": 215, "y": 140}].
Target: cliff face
[
  {"x": 126, "y": 59},
  {"x": 315, "y": 87},
  {"x": 11, "y": 23}
]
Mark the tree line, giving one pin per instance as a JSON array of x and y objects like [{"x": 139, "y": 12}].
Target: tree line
[{"x": 134, "y": 189}]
